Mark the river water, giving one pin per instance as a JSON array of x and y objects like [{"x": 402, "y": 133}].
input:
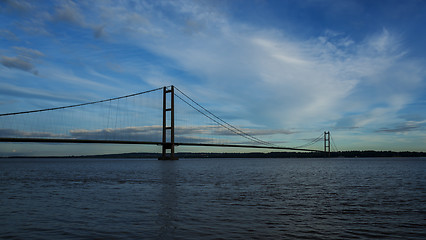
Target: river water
[{"x": 44, "y": 198}]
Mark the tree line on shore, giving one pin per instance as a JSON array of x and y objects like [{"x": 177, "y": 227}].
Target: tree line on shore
[{"x": 340, "y": 154}]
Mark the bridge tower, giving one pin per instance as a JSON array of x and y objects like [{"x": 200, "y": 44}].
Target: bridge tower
[
  {"x": 168, "y": 127},
  {"x": 327, "y": 143}
]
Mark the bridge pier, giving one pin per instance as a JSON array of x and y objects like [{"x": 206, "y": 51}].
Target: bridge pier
[{"x": 168, "y": 128}]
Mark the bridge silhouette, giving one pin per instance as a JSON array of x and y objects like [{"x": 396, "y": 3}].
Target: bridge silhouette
[{"x": 14, "y": 129}]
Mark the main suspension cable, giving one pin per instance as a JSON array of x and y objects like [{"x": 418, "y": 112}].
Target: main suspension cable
[
  {"x": 79, "y": 105},
  {"x": 220, "y": 121}
]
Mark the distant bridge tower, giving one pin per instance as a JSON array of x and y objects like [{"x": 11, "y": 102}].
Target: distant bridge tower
[
  {"x": 327, "y": 143},
  {"x": 168, "y": 127}
]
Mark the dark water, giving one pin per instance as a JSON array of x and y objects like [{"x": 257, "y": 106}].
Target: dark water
[{"x": 213, "y": 199}]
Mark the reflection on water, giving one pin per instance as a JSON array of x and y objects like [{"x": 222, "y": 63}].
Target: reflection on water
[
  {"x": 212, "y": 198},
  {"x": 168, "y": 199}
]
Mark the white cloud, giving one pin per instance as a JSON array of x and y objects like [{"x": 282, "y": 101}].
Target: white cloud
[{"x": 273, "y": 80}]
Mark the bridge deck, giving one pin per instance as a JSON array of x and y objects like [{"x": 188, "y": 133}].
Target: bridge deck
[{"x": 73, "y": 140}]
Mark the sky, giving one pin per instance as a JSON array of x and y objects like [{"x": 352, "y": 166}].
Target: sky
[{"x": 285, "y": 71}]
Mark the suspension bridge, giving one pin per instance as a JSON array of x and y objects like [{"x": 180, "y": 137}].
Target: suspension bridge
[{"x": 130, "y": 120}]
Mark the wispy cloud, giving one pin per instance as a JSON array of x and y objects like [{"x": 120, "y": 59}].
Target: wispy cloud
[
  {"x": 34, "y": 93},
  {"x": 21, "y": 134},
  {"x": 23, "y": 61},
  {"x": 313, "y": 79},
  {"x": 68, "y": 12},
  {"x": 193, "y": 134},
  {"x": 9, "y": 35},
  {"x": 28, "y": 53},
  {"x": 17, "y": 63},
  {"x": 406, "y": 127},
  {"x": 22, "y": 7}
]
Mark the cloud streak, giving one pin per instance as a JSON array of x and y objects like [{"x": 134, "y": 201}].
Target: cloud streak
[
  {"x": 406, "y": 127},
  {"x": 34, "y": 93},
  {"x": 17, "y": 63},
  {"x": 194, "y": 134},
  {"x": 12, "y": 133},
  {"x": 24, "y": 60}
]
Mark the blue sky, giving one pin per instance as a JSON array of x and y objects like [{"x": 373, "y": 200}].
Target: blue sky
[{"x": 355, "y": 68}]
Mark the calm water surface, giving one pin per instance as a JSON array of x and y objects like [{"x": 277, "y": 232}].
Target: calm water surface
[{"x": 213, "y": 198}]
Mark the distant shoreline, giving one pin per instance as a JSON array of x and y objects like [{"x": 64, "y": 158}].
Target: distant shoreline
[{"x": 343, "y": 154}]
